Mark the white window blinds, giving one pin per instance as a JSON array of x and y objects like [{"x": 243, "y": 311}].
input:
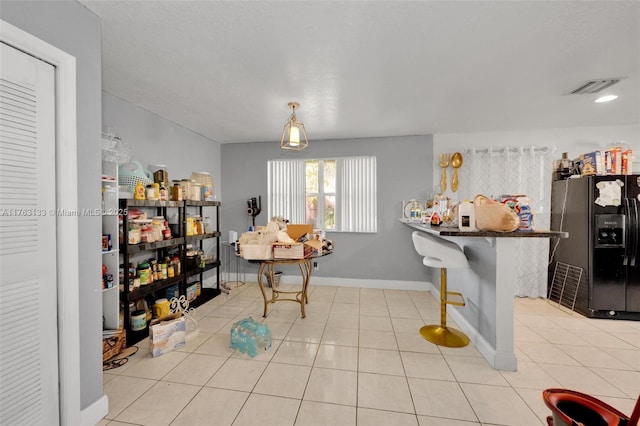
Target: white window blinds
[
  {"x": 285, "y": 190},
  {"x": 357, "y": 194},
  {"x": 356, "y": 200}
]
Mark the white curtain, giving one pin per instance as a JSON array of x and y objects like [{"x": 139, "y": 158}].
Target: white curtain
[
  {"x": 286, "y": 190},
  {"x": 494, "y": 171},
  {"x": 357, "y": 194}
]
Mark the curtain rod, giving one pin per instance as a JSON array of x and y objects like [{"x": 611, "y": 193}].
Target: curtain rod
[{"x": 511, "y": 149}]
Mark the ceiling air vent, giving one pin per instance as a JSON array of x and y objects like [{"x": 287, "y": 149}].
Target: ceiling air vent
[{"x": 594, "y": 86}]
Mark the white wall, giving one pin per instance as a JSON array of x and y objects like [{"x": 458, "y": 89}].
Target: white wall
[{"x": 574, "y": 141}]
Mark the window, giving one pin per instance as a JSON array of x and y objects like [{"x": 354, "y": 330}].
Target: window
[{"x": 337, "y": 194}]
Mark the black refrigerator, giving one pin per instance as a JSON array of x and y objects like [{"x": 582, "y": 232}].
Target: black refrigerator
[{"x": 601, "y": 215}]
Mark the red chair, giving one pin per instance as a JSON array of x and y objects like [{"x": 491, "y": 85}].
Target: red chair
[{"x": 571, "y": 408}]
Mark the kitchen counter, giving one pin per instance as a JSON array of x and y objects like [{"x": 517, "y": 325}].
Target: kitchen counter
[{"x": 488, "y": 287}]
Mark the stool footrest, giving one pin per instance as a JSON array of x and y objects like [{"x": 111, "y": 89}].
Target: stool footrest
[{"x": 454, "y": 298}]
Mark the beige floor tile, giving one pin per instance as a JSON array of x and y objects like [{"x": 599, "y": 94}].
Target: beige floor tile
[
  {"x": 376, "y": 309},
  {"x": 407, "y": 325},
  {"x": 209, "y": 404},
  {"x": 369, "y": 417},
  {"x": 337, "y": 357},
  {"x": 533, "y": 398},
  {"x": 214, "y": 324},
  {"x": 315, "y": 314},
  {"x": 106, "y": 377},
  {"x": 628, "y": 356},
  {"x": 426, "y": 366},
  {"x": 404, "y": 311},
  {"x": 332, "y": 386},
  {"x": 340, "y": 336},
  {"x": 414, "y": 342},
  {"x": 345, "y": 308},
  {"x": 627, "y": 381},
  {"x": 438, "y": 398},
  {"x": 546, "y": 353},
  {"x": 475, "y": 370},
  {"x": 582, "y": 379},
  {"x": 605, "y": 339},
  {"x": 218, "y": 344},
  {"x": 593, "y": 357},
  {"x": 378, "y": 339},
  {"x": 340, "y": 320},
  {"x": 632, "y": 338},
  {"x": 263, "y": 410},
  {"x": 522, "y": 333},
  {"x": 238, "y": 374},
  {"x": 380, "y": 361},
  {"x": 283, "y": 380},
  {"x": 103, "y": 422},
  {"x": 278, "y": 330},
  {"x": 159, "y": 405},
  {"x": 196, "y": 369},
  {"x": 390, "y": 393},
  {"x": 194, "y": 340},
  {"x": 499, "y": 405},
  {"x": 530, "y": 375},
  {"x": 282, "y": 315},
  {"x": 438, "y": 421},
  {"x": 468, "y": 350},
  {"x": 152, "y": 368},
  {"x": 299, "y": 353},
  {"x": 307, "y": 332},
  {"x": 226, "y": 311},
  {"x": 368, "y": 322},
  {"x": 347, "y": 295},
  {"x": 320, "y": 414},
  {"x": 119, "y": 400},
  {"x": 560, "y": 336},
  {"x": 624, "y": 405}
]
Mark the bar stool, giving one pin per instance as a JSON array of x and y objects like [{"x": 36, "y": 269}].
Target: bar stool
[{"x": 443, "y": 254}]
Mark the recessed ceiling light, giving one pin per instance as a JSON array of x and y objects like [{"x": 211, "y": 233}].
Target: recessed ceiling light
[{"x": 606, "y": 98}]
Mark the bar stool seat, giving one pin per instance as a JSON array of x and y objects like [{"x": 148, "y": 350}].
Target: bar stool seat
[{"x": 443, "y": 254}]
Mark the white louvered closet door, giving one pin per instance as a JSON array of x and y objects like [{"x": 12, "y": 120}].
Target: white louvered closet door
[{"x": 28, "y": 287}]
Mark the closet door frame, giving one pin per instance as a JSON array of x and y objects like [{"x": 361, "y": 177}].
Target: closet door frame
[{"x": 67, "y": 281}]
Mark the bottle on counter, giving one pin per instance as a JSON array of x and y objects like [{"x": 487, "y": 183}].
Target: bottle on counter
[{"x": 466, "y": 216}]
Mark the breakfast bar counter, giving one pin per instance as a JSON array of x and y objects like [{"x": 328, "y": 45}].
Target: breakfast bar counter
[{"x": 488, "y": 286}]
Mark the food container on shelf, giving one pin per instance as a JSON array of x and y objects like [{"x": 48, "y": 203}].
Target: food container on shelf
[
  {"x": 138, "y": 320},
  {"x": 206, "y": 185},
  {"x": 185, "y": 185},
  {"x": 195, "y": 191}
]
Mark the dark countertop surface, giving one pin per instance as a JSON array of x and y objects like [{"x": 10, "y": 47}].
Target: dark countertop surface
[{"x": 455, "y": 232}]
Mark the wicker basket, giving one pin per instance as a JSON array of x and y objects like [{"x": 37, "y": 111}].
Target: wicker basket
[
  {"x": 114, "y": 344},
  {"x": 494, "y": 216}
]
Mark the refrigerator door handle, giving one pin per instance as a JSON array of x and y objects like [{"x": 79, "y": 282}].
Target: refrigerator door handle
[
  {"x": 627, "y": 232},
  {"x": 635, "y": 230}
]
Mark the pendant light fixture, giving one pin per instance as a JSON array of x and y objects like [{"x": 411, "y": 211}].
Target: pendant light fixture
[{"x": 294, "y": 135}]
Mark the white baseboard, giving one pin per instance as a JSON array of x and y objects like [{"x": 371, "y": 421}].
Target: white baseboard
[{"x": 95, "y": 412}]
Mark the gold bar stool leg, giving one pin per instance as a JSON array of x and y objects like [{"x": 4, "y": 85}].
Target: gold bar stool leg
[{"x": 442, "y": 335}]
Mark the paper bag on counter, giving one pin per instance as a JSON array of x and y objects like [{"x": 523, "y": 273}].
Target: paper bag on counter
[{"x": 494, "y": 216}]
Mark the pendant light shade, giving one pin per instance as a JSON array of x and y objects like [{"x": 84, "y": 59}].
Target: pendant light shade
[{"x": 294, "y": 135}]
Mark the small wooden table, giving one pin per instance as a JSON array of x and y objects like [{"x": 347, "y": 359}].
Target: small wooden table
[{"x": 267, "y": 267}]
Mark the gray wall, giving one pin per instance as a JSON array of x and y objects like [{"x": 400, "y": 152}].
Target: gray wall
[
  {"x": 156, "y": 140},
  {"x": 404, "y": 166},
  {"x": 72, "y": 28}
]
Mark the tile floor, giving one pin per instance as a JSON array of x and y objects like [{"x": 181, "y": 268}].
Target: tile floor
[{"x": 357, "y": 359}]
